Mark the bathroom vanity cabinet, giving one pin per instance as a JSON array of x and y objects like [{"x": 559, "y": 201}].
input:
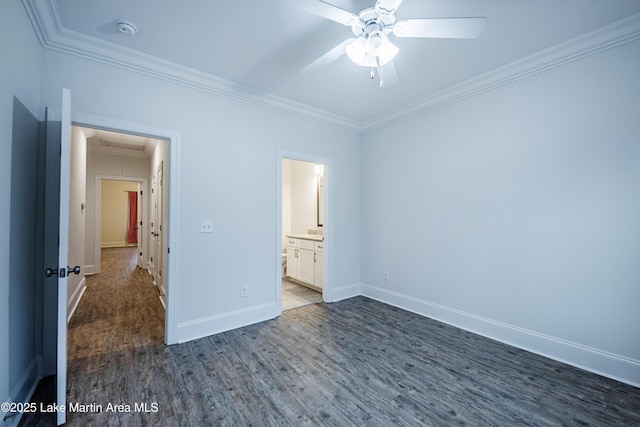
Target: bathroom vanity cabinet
[{"x": 305, "y": 260}]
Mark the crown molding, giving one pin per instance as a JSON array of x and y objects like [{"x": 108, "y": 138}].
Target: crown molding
[
  {"x": 52, "y": 35},
  {"x": 618, "y": 33},
  {"x": 46, "y": 21}
]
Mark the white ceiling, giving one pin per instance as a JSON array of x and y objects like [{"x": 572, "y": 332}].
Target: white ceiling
[
  {"x": 122, "y": 144},
  {"x": 261, "y": 45}
]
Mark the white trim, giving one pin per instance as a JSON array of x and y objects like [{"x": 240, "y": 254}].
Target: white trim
[
  {"x": 601, "y": 39},
  {"x": 345, "y": 292},
  {"x": 173, "y": 267},
  {"x": 89, "y": 270},
  {"x": 121, "y": 244},
  {"x": 23, "y": 391},
  {"x": 53, "y": 35},
  {"x": 327, "y": 229},
  {"x": 211, "y": 325},
  {"x": 603, "y": 363},
  {"x": 75, "y": 298}
]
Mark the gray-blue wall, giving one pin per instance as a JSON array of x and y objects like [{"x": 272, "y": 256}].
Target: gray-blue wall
[{"x": 21, "y": 69}]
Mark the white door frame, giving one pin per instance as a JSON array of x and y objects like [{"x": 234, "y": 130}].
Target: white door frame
[
  {"x": 97, "y": 214},
  {"x": 173, "y": 202},
  {"x": 327, "y": 286}
]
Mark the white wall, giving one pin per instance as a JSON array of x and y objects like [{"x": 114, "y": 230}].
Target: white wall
[
  {"x": 100, "y": 164},
  {"x": 228, "y": 174},
  {"x": 21, "y": 71},
  {"x": 515, "y": 213}
]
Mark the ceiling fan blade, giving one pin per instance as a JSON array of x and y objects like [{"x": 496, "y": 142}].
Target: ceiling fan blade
[
  {"x": 328, "y": 57},
  {"x": 447, "y": 28},
  {"x": 390, "y": 76},
  {"x": 387, "y": 6},
  {"x": 328, "y": 11}
]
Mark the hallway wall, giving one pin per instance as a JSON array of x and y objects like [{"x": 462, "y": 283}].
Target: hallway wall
[{"x": 107, "y": 165}]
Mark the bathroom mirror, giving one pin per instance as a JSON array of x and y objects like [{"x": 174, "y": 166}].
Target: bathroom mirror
[{"x": 320, "y": 203}]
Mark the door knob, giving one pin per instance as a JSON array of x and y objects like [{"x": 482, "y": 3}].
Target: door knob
[
  {"x": 50, "y": 272},
  {"x": 62, "y": 272}
]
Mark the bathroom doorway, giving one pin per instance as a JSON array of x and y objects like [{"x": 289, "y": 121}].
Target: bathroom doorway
[{"x": 303, "y": 240}]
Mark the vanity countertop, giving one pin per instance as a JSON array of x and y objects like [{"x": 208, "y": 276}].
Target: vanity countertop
[{"x": 315, "y": 237}]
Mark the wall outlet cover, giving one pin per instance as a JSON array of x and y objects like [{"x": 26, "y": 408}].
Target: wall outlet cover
[{"x": 206, "y": 226}]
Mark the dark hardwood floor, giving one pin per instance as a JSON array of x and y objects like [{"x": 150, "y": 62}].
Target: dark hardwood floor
[{"x": 355, "y": 362}]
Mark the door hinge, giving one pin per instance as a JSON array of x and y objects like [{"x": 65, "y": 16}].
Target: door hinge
[
  {"x": 168, "y": 250},
  {"x": 141, "y": 192}
]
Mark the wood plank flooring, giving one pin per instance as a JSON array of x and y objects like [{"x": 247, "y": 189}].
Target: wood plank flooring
[{"x": 356, "y": 362}]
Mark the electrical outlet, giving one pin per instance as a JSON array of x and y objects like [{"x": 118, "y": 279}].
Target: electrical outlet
[
  {"x": 385, "y": 275},
  {"x": 244, "y": 291},
  {"x": 206, "y": 226}
]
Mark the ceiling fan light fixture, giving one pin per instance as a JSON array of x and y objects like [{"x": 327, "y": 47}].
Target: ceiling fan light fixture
[
  {"x": 357, "y": 50},
  {"x": 372, "y": 51},
  {"x": 387, "y": 52}
]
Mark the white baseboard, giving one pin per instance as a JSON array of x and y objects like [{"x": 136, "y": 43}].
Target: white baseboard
[
  {"x": 23, "y": 391},
  {"x": 610, "y": 365},
  {"x": 106, "y": 245},
  {"x": 90, "y": 270},
  {"x": 206, "y": 326},
  {"x": 344, "y": 292},
  {"x": 76, "y": 297}
]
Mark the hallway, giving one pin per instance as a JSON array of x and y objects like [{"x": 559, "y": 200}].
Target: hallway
[
  {"x": 120, "y": 316},
  {"x": 119, "y": 311}
]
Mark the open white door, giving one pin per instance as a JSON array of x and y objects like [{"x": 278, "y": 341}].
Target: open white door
[
  {"x": 160, "y": 232},
  {"x": 139, "y": 225},
  {"x": 60, "y": 225},
  {"x": 63, "y": 256}
]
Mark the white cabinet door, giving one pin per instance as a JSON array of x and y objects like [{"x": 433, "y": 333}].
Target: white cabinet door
[
  {"x": 306, "y": 266},
  {"x": 292, "y": 262}
]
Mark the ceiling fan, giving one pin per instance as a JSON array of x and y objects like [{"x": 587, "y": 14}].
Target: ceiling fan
[{"x": 371, "y": 27}]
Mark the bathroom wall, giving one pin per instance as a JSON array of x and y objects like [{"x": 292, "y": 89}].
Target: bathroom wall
[{"x": 303, "y": 203}]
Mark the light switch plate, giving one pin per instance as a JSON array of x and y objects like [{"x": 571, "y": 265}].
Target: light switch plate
[{"x": 206, "y": 226}]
